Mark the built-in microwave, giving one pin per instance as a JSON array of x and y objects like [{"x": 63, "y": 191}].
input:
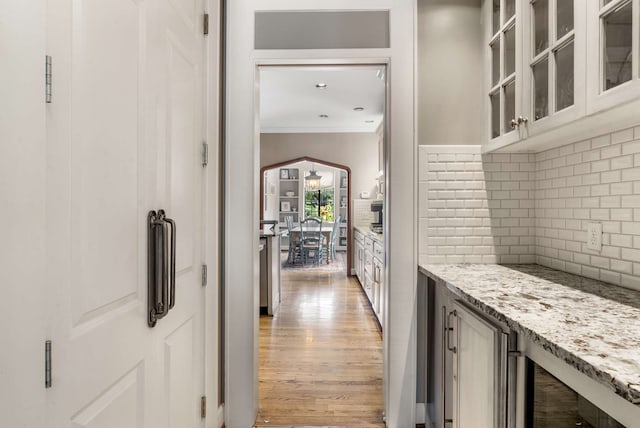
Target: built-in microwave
[{"x": 377, "y": 208}]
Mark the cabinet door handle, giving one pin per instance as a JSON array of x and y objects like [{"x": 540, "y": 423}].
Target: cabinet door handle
[
  {"x": 449, "y": 330},
  {"x": 443, "y": 384}
]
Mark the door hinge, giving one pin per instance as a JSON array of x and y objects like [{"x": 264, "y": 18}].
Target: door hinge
[
  {"x": 47, "y": 364},
  {"x": 205, "y": 154},
  {"x": 205, "y": 24},
  {"x": 47, "y": 78},
  {"x": 204, "y": 275},
  {"x": 203, "y": 406}
]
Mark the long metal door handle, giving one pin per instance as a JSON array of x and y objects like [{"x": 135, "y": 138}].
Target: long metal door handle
[
  {"x": 161, "y": 265},
  {"x": 443, "y": 383},
  {"x": 449, "y": 330},
  {"x": 172, "y": 264}
]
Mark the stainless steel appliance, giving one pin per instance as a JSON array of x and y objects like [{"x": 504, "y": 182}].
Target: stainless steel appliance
[{"x": 377, "y": 208}]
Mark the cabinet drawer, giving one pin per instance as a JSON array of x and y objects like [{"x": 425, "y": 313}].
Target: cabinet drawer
[
  {"x": 368, "y": 244},
  {"x": 358, "y": 236},
  {"x": 378, "y": 251}
]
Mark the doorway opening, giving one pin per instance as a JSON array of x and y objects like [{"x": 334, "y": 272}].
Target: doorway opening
[
  {"x": 321, "y": 350},
  {"x": 297, "y": 189}
]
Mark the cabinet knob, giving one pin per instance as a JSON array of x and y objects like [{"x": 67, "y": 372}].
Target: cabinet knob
[
  {"x": 513, "y": 124},
  {"x": 522, "y": 120}
]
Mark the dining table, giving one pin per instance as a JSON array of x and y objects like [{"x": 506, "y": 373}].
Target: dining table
[{"x": 326, "y": 230}]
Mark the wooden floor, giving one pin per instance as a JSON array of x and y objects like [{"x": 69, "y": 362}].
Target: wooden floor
[{"x": 320, "y": 355}]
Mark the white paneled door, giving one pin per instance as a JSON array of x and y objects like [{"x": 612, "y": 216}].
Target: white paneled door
[{"x": 124, "y": 133}]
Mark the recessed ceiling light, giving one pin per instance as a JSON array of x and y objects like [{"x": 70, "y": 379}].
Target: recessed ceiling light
[
  {"x": 358, "y": 108},
  {"x": 369, "y": 121},
  {"x": 324, "y": 116},
  {"x": 321, "y": 85}
]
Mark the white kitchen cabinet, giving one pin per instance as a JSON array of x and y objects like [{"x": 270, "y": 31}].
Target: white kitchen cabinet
[
  {"x": 614, "y": 45},
  {"x": 503, "y": 68},
  {"x": 576, "y": 71},
  {"x": 478, "y": 370},
  {"x": 472, "y": 380},
  {"x": 358, "y": 258},
  {"x": 368, "y": 265},
  {"x": 554, "y": 55},
  {"x": 378, "y": 279}
]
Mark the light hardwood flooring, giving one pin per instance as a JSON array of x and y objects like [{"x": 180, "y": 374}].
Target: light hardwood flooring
[{"x": 320, "y": 355}]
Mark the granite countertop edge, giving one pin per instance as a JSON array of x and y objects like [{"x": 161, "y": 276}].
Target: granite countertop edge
[{"x": 629, "y": 392}]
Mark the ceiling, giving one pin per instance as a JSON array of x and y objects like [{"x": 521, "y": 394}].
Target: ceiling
[{"x": 290, "y": 102}]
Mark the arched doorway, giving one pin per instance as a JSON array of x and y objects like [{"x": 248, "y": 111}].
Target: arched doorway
[{"x": 323, "y": 163}]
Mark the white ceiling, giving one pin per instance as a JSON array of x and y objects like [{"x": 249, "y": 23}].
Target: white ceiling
[{"x": 291, "y": 103}]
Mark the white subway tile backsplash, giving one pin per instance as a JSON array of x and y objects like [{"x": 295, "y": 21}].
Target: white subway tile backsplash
[
  {"x": 622, "y": 136},
  {"x": 464, "y": 225},
  {"x": 534, "y": 208},
  {"x": 631, "y": 147},
  {"x": 603, "y": 140}
]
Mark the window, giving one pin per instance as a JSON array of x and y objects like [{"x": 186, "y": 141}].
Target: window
[{"x": 320, "y": 202}]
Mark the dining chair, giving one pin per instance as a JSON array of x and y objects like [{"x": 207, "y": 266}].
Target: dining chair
[
  {"x": 313, "y": 243},
  {"x": 294, "y": 244},
  {"x": 334, "y": 237}
]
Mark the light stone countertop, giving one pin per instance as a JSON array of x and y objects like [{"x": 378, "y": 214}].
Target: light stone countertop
[
  {"x": 589, "y": 324},
  {"x": 368, "y": 232}
]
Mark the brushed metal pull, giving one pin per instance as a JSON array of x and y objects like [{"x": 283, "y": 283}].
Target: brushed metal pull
[
  {"x": 449, "y": 330},
  {"x": 161, "y": 265}
]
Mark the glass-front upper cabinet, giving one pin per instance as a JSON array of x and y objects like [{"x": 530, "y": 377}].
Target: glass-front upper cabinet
[
  {"x": 559, "y": 69},
  {"x": 502, "y": 39},
  {"x": 554, "y": 49},
  {"x": 614, "y": 42}
]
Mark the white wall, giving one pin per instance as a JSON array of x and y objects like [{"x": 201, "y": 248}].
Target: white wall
[
  {"x": 358, "y": 151},
  {"x": 450, "y": 72}
]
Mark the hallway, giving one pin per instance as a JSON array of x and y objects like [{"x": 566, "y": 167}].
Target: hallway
[{"x": 320, "y": 355}]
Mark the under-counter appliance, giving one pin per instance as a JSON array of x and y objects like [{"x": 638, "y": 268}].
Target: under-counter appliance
[
  {"x": 377, "y": 208},
  {"x": 552, "y": 404}
]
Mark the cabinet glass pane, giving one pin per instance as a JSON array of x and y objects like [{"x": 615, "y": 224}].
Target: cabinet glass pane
[
  {"x": 496, "y": 16},
  {"x": 564, "y": 77},
  {"x": 617, "y": 47},
  {"x": 495, "y": 63},
  {"x": 509, "y": 105},
  {"x": 510, "y": 51},
  {"x": 541, "y": 89},
  {"x": 541, "y": 25},
  {"x": 509, "y": 9},
  {"x": 495, "y": 114},
  {"x": 564, "y": 17}
]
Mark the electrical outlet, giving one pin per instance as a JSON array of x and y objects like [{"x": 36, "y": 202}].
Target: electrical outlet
[{"x": 594, "y": 236}]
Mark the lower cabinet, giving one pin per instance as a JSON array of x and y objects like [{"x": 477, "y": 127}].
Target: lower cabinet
[
  {"x": 368, "y": 265},
  {"x": 468, "y": 373},
  {"x": 479, "y": 369}
]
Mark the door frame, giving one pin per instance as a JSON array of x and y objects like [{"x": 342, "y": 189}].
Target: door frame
[
  {"x": 241, "y": 270},
  {"x": 319, "y": 162}
]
